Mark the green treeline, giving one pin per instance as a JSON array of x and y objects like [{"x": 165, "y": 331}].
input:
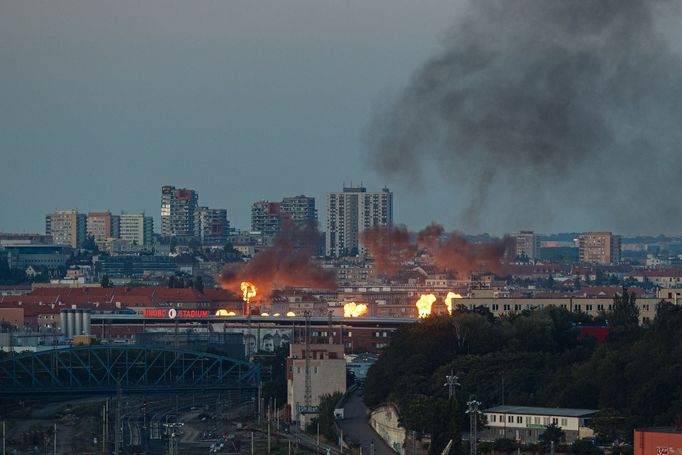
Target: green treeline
[{"x": 536, "y": 358}]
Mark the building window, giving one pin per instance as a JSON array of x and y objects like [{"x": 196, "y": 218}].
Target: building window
[
  {"x": 564, "y": 422},
  {"x": 493, "y": 418},
  {"x": 527, "y": 420},
  {"x": 506, "y": 307},
  {"x": 519, "y": 419},
  {"x": 536, "y": 420},
  {"x": 510, "y": 419},
  {"x": 496, "y": 307},
  {"x": 545, "y": 421},
  {"x": 555, "y": 421}
]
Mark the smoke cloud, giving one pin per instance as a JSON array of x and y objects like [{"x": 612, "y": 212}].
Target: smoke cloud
[
  {"x": 537, "y": 108},
  {"x": 392, "y": 245},
  {"x": 288, "y": 262}
]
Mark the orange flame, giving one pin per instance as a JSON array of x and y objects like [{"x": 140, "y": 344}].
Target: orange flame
[
  {"x": 222, "y": 312},
  {"x": 448, "y": 300},
  {"x": 424, "y": 305},
  {"x": 353, "y": 310},
  {"x": 248, "y": 291},
  {"x": 290, "y": 314}
]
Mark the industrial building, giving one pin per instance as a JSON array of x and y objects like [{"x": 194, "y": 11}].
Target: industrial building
[
  {"x": 658, "y": 441},
  {"x": 323, "y": 372}
]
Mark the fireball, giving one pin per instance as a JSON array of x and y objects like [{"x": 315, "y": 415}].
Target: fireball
[
  {"x": 353, "y": 310},
  {"x": 265, "y": 314},
  {"x": 448, "y": 300},
  {"x": 248, "y": 291},
  {"x": 424, "y": 305},
  {"x": 225, "y": 313},
  {"x": 290, "y": 314}
]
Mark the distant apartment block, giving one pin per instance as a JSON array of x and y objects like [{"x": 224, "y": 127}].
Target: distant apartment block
[
  {"x": 136, "y": 228},
  {"x": 599, "y": 248},
  {"x": 178, "y": 211},
  {"x": 527, "y": 244},
  {"x": 299, "y": 210},
  {"x": 269, "y": 218},
  {"x": 349, "y": 213},
  {"x": 266, "y": 218},
  {"x": 212, "y": 226},
  {"x": 66, "y": 227},
  {"x": 99, "y": 226}
]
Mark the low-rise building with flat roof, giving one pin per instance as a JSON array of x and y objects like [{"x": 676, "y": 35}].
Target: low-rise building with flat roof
[{"x": 527, "y": 423}]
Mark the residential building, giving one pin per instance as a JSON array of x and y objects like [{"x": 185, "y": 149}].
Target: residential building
[
  {"x": 99, "y": 226},
  {"x": 349, "y": 213},
  {"x": 136, "y": 228},
  {"x": 212, "y": 226},
  {"x": 526, "y": 424},
  {"x": 599, "y": 248},
  {"x": 527, "y": 245},
  {"x": 324, "y": 372},
  {"x": 299, "y": 210},
  {"x": 178, "y": 211},
  {"x": 266, "y": 218},
  {"x": 66, "y": 227}
]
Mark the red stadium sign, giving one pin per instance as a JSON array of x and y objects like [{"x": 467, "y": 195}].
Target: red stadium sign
[{"x": 173, "y": 313}]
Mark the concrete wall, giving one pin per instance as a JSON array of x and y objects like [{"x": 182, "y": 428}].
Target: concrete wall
[{"x": 385, "y": 422}]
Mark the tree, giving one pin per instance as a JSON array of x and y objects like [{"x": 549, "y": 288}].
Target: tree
[
  {"x": 625, "y": 313},
  {"x": 105, "y": 282},
  {"x": 199, "y": 284},
  {"x": 90, "y": 244},
  {"x": 554, "y": 433},
  {"x": 446, "y": 427}
]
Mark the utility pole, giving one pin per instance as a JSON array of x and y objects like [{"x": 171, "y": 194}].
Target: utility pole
[
  {"x": 451, "y": 381},
  {"x": 473, "y": 412},
  {"x": 119, "y": 424},
  {"x": 308, "y": 386},
  {"x": 54, "y": 441},
  {"x": 317, "y": 446}
]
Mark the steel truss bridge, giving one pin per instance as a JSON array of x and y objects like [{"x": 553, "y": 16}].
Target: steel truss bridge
[{"x": 129, "y": 368}]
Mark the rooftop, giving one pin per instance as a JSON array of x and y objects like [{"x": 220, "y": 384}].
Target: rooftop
[{"x": 533, "y": 410}]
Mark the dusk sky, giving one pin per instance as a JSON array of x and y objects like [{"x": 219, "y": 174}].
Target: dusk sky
[{"x": 103, "y": 102}]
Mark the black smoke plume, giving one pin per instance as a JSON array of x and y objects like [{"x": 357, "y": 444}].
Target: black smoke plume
[
  {"x": 390, "y": 246},
  {"x": 538, "y": 108}
]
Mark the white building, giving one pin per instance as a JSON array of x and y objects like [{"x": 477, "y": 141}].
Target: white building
[
  {"x": 327, "y": 369},
  {"x": 526, "y": 424},
  {"x": 136, "y": 228},
  {"x": 349, "y": 213}
]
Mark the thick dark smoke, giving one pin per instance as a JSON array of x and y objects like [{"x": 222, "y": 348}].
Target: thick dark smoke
[
  {"x": 392, "y": 245},
  {"x": 537, "y": 108},
  {"x": 288, "y": 262}
]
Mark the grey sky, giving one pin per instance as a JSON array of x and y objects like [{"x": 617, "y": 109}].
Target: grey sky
[
  {"x": 102, "y": 102},
  {"x": 105, "y": 101}
]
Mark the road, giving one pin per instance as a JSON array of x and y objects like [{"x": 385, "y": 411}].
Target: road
[{"x": 356, "y": 427}]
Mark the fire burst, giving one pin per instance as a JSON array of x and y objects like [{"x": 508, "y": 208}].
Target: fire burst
[
  {"x": 448, "y": 300},
  {"x": 248, "y": 291},
  {"x": 353, "y": 310},
  {"x": 222, "y": 312},
  {"x": 424, "y": 305}
]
